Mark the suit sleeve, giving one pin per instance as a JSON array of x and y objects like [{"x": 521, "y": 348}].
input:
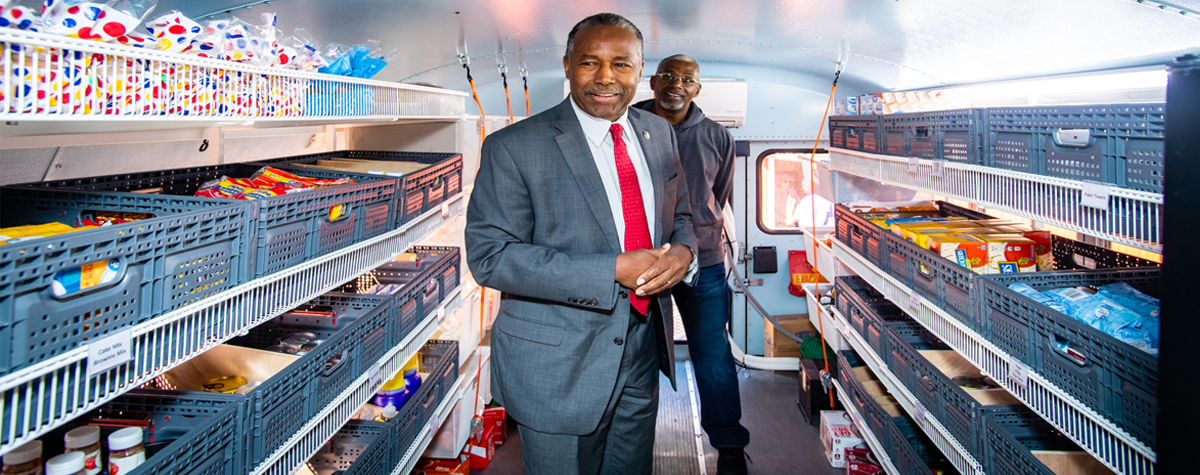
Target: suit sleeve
[{"x": 499, "y": 232}]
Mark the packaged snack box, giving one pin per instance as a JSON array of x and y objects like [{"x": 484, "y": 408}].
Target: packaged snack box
[
  {"x": 966, "y": 250},
  {"x": 1009, "y": 253}
]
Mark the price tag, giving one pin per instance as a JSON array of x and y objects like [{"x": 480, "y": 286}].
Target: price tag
[
  {"x": 374, "y": 377},
  {"x": 441, "y": 314},
  {"x": 939, "y": 169},
  {"x": 445, "y": 210},
  {"x": 914, "y": 301},
  {"x": 919, "y": 412},
  {"x": 1095, "y": 195},
  {"x": 1018, "y": 373},
  {"x": 110, "y": 352},
  {"x": 914, "y": 165}
]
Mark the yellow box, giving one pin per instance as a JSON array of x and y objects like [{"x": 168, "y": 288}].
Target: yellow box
[{"x": 964, "y": 249}]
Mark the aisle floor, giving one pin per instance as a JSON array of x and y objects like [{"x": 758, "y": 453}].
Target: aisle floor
[{"x": 780, "y": 441}]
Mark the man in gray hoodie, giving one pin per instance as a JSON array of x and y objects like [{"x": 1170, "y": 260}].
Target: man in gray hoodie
[{"x": 706, "y": 153}]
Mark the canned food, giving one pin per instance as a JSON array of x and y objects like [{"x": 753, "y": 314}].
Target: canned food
[
  {"x": 224, "y": 384},
  {"x": 307, "y": 347},
  {"x": 246, "y": 388},
  {"x": 282, "y": 348}
]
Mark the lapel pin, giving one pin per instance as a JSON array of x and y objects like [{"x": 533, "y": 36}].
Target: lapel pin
[{"x": 646, "y": 135}]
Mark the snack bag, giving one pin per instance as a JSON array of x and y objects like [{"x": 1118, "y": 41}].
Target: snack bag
[
  {"x": 1129, "y": 297},
  {"x": 21, "y": 15},
  {"x": 71, "y": 18},
  {"x": 1037, "y": 296},
  {"x": 173, "y": 31},
  {"x": 23, "y": 233},
  {"x": 1070, "y": 297},
  {"x": 119, "y": 18},
  {"x": 224, "y": 187}
]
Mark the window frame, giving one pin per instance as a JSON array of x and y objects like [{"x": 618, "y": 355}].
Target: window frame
[{"x": 758, "y": 188}]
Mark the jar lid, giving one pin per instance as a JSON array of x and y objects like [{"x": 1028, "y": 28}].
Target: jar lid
[
  {"x": 66, "y": 464},
  {"x": 82, "y": 437},
  {"x": 410, "y": 372},
  {"x": 125, "y": 438},
  {"x": 389, "y": 411},
  {"x": 24, "y": 454}
]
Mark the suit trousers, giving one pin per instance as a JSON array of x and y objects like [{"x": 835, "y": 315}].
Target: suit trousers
[{"x": 624, "y": 441}]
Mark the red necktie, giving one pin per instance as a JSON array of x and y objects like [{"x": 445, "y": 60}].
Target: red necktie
[{"x": 637, "y": 232}]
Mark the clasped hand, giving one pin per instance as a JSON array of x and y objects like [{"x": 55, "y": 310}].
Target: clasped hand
[{"x": 650, "y": 271}]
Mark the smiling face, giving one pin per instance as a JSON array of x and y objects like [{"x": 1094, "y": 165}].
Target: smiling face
[
  {"x": 604, "y": 69},
  {"x": 675, "y": 95}
]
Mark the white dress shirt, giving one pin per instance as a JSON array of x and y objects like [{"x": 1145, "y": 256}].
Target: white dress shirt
[{"x": 600, "y": 142}]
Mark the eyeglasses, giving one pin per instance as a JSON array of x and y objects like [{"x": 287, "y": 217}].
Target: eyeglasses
[{"x": 670, "y": 78}]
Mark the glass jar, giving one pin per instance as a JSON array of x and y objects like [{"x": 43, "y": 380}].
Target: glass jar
[
  {"x": 24, "y": 460},
  {"x": 86, "y": 440},
  {"x": 125, "y": 450}
]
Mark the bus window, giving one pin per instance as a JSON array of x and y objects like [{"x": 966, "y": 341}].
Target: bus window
[{"x": 785, "y": 197}]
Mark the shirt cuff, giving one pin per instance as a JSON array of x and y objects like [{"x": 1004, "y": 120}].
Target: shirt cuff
[{"x": 694, "y": 268}]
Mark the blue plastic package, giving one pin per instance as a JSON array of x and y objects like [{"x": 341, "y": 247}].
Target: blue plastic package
[
  {"x": 1070, "y": 297},
  {"x": 1106, "y": 315},
  {"x": 1037, "y": 296},
  {"x": 1136, "y": 337},
  {"x": 1130, "y": 298}
]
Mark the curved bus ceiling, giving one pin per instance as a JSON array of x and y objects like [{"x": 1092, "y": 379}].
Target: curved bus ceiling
[{"x": 887, "y": 44}]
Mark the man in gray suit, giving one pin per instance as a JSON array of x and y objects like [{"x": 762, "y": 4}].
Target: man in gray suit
[{"x": 580, "y": 217}]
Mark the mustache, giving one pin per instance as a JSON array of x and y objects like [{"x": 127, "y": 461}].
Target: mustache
[{"x": 604, "y": 90}]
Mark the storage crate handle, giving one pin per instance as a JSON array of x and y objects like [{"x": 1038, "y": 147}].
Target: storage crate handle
[
  {"x": 339, "y": 213},
  {"x": 1063, "y": 349},
  {"x": 91, "y": 277},
  {"x": 925, "y": 380},
  {"x": 922, "y": 132},
  {"x": 431, "y": 286},
  {"x": 341, "y": 362},
  {"x": 851, "y": 131},
  {"x": 1080, "y": 138}
]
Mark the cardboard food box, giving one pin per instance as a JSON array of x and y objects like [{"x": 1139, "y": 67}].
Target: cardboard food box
[
  {"x": 837, "y": 434},
  {"x": 861, "y": 461},
  {"x": 776, "y": 344},
  {"x": 431, "y": 466},
  {"x": 1009, "y": 253},
  {"x": 964, "y": 249},
  {"x": 495, "y": 417},
  {"x": 482, "y": 452}
]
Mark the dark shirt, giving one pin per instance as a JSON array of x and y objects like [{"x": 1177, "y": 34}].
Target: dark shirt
[{"x": 706, "y": 152}]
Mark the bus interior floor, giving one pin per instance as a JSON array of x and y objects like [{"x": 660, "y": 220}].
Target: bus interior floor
[{"x": 780, "y": 440}]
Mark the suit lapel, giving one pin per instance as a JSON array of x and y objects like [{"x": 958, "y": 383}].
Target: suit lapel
[
  {"x": 655, "y": 162},
  {"x": 578, "y": 155}
]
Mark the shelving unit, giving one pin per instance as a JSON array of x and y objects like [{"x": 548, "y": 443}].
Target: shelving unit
[
  {"x": 430, "y": 430},
  {"x": 1133, "y": 218},
  {"x": 36, "y": 399},
  {"x": 1095, "y": 434},
  {"x": 89, "y": 80},
  {"x": 950, "y": 447},
  {"x": 873, "y": 442}
]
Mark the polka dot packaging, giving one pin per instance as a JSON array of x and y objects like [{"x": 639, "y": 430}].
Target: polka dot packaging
[
  {"x": 19, "y": 17},
  {"x": 173, "y": 31},
  {"x": 73, "y": 19}
]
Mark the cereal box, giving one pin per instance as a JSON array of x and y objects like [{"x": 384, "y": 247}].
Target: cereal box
[
  {"x": 1009, "y": 253},
  {"x": 966, "y": 250}
]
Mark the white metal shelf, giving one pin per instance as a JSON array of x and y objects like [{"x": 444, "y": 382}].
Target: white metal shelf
[
  {"x": 950, "y": 447},
  {"x": 39, "y": 398},
  {"x": 873, "y": 442},
  {"x": 1133, "y": 218},
  {"x": 54, "y": 78},
  {"x": 307, "y": 441},
  {"x": 1100, "y": 437}
]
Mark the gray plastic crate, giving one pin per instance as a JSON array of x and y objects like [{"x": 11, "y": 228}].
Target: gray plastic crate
[
  {"x": 188, "y": 252},
  {"x": 358, "y": 448},
  {"x": 1115, "y": 379},
  {"x": 285, "y": 230},
  {"x": 440, "y": 359},
  {"x": 422, "y": 287},
  {"x": 1009, "y": 433},
  {"x": 855, "y": 132},
  {"x": 1120, "y": 144},
  {"x": 418, "y": 192},
  {"x": 868, "y": 311},
  {"x": 184, "y": 432},
  {"x": 953, "y": 135}
]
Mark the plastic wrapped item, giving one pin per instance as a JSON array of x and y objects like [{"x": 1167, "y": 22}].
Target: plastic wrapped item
[
  {"x": 308, "y": 51},
  {"x": 338, "y": 56},
  {"x": 1129, "y": 297},
  {"x": 1069, "y": 297},
  {"x": 121, "y": 17},
  {"x": 1037, "y": 296},
  {"x": 21, "y": 15},
  {"x": 173, "y": 31},
  {"x": 71, "y": 18},
  {"x": 1106, "y": 315},
  {"x": 212, "y": 33}
]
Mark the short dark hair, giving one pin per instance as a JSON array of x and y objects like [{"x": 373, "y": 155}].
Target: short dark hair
[{"x": 610, "y": 19}]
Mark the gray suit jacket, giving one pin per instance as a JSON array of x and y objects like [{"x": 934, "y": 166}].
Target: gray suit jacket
[{"x": 540, "y": 230}]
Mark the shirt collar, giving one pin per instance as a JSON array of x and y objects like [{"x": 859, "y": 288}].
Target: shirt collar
[{"x": 595, "y": 128}]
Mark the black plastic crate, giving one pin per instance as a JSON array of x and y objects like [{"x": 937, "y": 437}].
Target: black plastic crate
[
  {"x": 358, "y": 448},
  {"x": 952, "y": 135},
  {"x": 855, "y": 132},
  {"x": 893, "y": 137},
  {"x": 1115, "y": 379},
  {"x": 419, "y": 191},
  {"x": 863, "y": 237},
  {"x": 867, "y": 310},
  {"x": 184, "y": 432},
  {"x": 421, "y": 287},
  {"x": 1009, "y": 433},
  {"x": 284, "y": 230},
  {"x": 189, "y": 251},
  {"x": 1120, "y": 144},
  {"x": 855, "y": 392}
]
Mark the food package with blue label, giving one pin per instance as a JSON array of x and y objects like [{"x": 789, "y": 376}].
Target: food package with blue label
[
  {"x": 1130, "y": 298},
  {"x": 1037, "y": 296},
  {"x": 1070, "y": 297}
]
